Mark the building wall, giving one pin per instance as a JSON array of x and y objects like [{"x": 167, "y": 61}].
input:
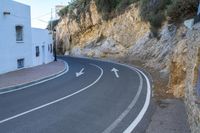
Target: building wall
[
  {"x": 42, "y": 39},
  {"x": 10, "y": 49}
]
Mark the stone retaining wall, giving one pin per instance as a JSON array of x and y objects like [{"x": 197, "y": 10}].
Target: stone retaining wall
[{"x": 193, "y": 63}]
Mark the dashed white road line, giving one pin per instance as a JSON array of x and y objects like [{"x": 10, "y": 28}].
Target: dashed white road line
[{"x": 56, "y": 101}]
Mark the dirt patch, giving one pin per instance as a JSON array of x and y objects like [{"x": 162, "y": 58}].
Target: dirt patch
[
  {"x": 170, "y": 114},
  {"x": 170, "y": 117},
  {"x": 196, "y": 68},
  {"x": 160, "y": 82}
]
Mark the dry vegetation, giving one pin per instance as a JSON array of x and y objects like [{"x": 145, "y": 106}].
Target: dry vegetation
[{"x": 153, "y": 11}]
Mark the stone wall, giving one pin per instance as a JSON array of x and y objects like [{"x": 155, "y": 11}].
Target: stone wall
[
  {"x": 193, "y": 62},
  {"x": 183, "y": 75}
]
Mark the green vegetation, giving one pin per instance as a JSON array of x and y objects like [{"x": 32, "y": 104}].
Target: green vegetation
[
  {"x": 81, "y": 6},
  {"x": 52, "y": 24},
  {"x": 153, "y": 11},
  {"x": 106, "y": 7},
  {"x": 181, "y": 9}
]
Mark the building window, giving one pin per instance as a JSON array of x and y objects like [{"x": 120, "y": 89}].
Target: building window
[
  {"x": 20, "y": 63},
  {"x": 19, "y": 33},
  {"x": 51, "y": 48},
  {"x": 37, "y": 49}
]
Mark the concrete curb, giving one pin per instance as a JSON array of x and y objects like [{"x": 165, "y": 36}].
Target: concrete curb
[{"x": 24, "y": 85}]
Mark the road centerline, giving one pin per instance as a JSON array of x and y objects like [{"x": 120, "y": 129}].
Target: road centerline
[
  {"x": 135, "y": 122},
  {"x": 58, "y": 100},
  {"x": 128, "y": 109},
  {"x": 145, "y": 107}
]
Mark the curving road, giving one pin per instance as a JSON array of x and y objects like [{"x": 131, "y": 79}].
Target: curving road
[{"x": 91, "y": 97}]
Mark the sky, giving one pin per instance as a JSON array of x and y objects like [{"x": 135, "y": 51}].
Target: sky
[{"x": 41, "y": 10}]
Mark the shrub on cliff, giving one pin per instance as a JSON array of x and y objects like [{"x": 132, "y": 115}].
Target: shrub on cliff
[
  {"x": 150, "y": 9},
  {"x": 181, "y": 9},
  {"x": 74, "y": 4},
  {"x": 63, "y": 11},
  {"x": 106, "y": 7},
  {"x": 52, "y": 24},
  {"x": 111, "y": 8},
  {"x": 153, "y": 11}
]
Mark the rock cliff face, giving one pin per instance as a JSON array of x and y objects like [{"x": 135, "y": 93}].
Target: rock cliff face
[
  {"x": 174, "y": 52},
  {"x": 92, "y": 32},
  {"x": 192, "y": 54},
  {"x": 124, "y": 37}
]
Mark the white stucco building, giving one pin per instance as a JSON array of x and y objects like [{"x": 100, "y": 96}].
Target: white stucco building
[
  {"x": 42, "y": 46},
  {"x": 18, "y": 40}
]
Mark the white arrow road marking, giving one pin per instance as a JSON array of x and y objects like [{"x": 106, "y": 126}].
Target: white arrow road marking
[
  {"x": 148, "y": 95},
  {"x": 58, "y": 100},
  {"x": 128, "y": 109},
  {"x": 116, "y": 72},
  {"x": 80, "y": 73}
]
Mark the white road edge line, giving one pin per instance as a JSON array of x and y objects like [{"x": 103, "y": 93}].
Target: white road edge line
[
  {"x": 132, "y": 126},
  {"x": 136, "y": 121},
  {"x": 58, "y": 100},
  {"x": 128, "y": 109},
  {"x": 22, "y": 88}
]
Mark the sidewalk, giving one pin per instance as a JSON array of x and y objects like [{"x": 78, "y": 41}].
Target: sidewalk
[
  {"x": 169, "y": 117},
  {"x": 33, "y": 74}
]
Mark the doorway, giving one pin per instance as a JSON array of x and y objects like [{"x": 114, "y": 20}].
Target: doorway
[{"x": 43, "y": 54}]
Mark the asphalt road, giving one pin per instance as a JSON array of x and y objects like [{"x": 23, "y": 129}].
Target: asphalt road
[{"x": 96, "y": 100}]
